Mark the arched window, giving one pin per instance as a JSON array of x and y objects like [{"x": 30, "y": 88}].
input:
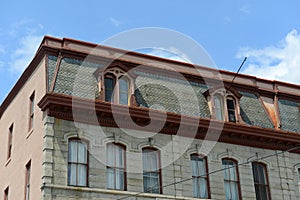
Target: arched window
[
  {"x": 223, "y": 103},
  {"x": 109, "y": 84},
  {"x": 123, "y": 90},
  {"x": 200, "y": 176},
  {"x": 115, "y": 167},
  {"x": 231, "y": 179},
  {"x": 77, "y": 162},
  {"x": 151, "y": 171},
  {"x": 218, "y": 105},
  {"x": 261, "y": 183},
  {"x": 117, "y": 87}
]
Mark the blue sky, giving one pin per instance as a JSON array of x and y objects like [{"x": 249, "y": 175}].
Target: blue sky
[{"x": 268, "y": 32}]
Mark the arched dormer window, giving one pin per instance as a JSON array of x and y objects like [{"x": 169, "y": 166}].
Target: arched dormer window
[
  {"x": 224, "y": 104},
  {"x": 115, "y": 85}
]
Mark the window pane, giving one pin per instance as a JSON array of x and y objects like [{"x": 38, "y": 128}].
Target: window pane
[
  {"x": 203, "y": 188},
  {"x": 234, "y": 191},
  {"x": 82, "y": 175},
  {"x": 218, "y": 108},
  {"x": 123, "y": 98},
  {"x": 119, "y": 157},
  {"x": 231, "y": 110},
  {"x": 72, "y": 151},
  {"x": 110, "y": 155},
  {"x": 72, "y": 174},
  {"x": 110, "y": 178},
  {"x": 82, "y": 153},
  {"x": 123, "y": 85},
  {"x": 109, "y": 88},
  {"x": 119, "y": 179}
]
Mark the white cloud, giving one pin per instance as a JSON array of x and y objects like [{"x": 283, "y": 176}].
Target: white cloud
[
  {"x": 22, "y": 56},
  {"x": 172, "y": 53},
  {"x": 280, "y": 62},
  {"x": 245, "y": 9},
  {"x": 115, "y": 22}
]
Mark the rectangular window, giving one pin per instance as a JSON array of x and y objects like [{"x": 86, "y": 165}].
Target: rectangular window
[
  {"x": 231, "y": 179},
  {"x": 151, "y": 171},
  {"x": 261, "y": 184},
  {"x": 10, "y": 135},
  {"x": 31, "y": 111},
  {"x": 6, "y": 193},
  {"x": 115, "y": 170},
  {"x": 27, "y": 180},
  {"x": 231, "y": 110},
  {"x": 77, "y": 163},
  {"x": 200, "y": 176}
]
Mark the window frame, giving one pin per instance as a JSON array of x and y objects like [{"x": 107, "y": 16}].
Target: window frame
[
  {"x": 117, "y": 73},
  {"x": 267, "y": 184},
  {"x": 237, "y": 182},
  {"x": 31, "y": 111},
  {"x": 6, "y": 193},
  {"x": 224, "y": 96},
  {"x": 115, "y": 168},
  {"x": 86, "y": 143},
  {"x": 10, "y": 137},
  {"x": 158, "y": 172},
  {"x": 229, "y": 97},
  {"x": 27, "y": 180},
  {"x": 206, "y": 176}
]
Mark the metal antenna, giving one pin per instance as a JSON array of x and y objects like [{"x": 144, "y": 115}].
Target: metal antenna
[{"x": 239, "y": 69}]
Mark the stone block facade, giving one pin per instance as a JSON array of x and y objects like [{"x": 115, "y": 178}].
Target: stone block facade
[{"x": 176, "y": 164}]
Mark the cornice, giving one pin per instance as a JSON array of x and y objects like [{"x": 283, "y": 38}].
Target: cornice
[{"x": 100, "y": 113}]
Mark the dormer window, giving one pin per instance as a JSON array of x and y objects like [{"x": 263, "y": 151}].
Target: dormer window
[
  {"x": 115, "y": 85},
  {"x": 223, "y": 103},
  {"x": 231, "y": 109}
]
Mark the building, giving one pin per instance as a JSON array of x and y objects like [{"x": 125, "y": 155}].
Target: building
[{"x": 94, "y": 122}]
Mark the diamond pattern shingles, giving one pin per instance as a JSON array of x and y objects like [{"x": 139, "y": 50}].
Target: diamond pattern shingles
[
  {"x": 51, "y": 68},
  {"x": 289, "y": 115},
  {"x": 76, "y": 78},
  {"x": 171, "y": 95},
  {"x": 252, "y": 111}
]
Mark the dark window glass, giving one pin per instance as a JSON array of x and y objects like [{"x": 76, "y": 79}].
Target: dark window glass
[
  {"x": 10, "y": 135},
  {"x": 27, "y": 180},
  {"x": 231, "y": 110},
  {"x": 260, "y": 181},
  {"x": 6, "y": 193},
  {"x": 109, "y": 89},
  {"x": 31, "y": 111}
]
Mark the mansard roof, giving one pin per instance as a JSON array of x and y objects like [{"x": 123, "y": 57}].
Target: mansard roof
[{"x": 71, "y": 65}]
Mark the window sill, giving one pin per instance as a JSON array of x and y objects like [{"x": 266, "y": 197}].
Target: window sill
[
  {"x": 29, "y": 133},
  {"x": 118, "y": 192},
  {"x": 7, "y": 162}
]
